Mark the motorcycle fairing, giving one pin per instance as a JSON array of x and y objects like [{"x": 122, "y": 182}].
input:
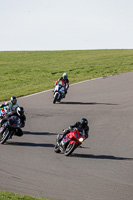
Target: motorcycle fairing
[
  {"x": 70, "y": 138},
  {"x": 59, "y": 88}
]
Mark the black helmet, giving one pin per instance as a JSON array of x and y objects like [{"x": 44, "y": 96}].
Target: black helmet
[
  {"x": 20, "y": 111},
  {"x": 13, "y": 100},
  {"x": 84, "y": 122}
]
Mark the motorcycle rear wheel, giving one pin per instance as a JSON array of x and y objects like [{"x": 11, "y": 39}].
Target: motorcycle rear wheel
[
  {"x": 4, "y": 136},
  {"x": 70, "y": 148},
  {"x": 57, "y": 150}
]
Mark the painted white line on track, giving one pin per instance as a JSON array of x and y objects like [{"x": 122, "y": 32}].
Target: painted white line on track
[
  {"x": 70, "y": 85},
  {"x": 35, "y": 94}
]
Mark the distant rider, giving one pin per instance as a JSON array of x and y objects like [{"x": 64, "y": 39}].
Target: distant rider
[
  {"x": 64, "y": 82},
  {"x": 11, "y": 105},
  {"x": 82, "y": 127},
  {"x": 19, "y": 112}
]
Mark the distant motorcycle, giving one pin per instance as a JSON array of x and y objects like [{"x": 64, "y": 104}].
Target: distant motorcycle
[
  {"x": 9, "y": 128},
  {"x": 59, "y": 93},
  {"x": 69, "y": 143}
]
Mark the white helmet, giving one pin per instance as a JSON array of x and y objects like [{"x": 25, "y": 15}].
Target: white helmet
[{"x": 65, "y": 76}]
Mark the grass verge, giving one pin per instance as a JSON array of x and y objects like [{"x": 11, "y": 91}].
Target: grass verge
[
  {"x": 28, "y": 72},
  {"x": 11, "y": 196}
]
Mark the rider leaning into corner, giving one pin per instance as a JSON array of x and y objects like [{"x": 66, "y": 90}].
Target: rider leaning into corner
[
  {"x": 63, "y": 81},
  {"x": 19, "y": 112},
  {"x": 11, "y": 105},
  {"x": 82, "y": 127}
]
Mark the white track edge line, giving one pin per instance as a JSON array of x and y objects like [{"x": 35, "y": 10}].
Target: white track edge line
[{"x": 70, "y": 85}]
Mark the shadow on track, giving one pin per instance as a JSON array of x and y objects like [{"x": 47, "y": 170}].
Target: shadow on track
[
  {"x": 29, "y": 144},
  {"x": 38, "y": 133},
  {"x": 88, "y": 103},
  {"x": 108, "y": 157}
]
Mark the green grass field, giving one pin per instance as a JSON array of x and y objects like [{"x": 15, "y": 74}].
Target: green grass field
[{"x": 27, "y": 72}]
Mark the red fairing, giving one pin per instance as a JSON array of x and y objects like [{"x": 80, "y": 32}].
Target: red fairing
[{"x": 73, "y": 137}]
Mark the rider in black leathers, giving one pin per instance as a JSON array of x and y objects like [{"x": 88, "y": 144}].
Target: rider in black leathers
[
  {"x": 82, "y": 127},
  {"x": 19, "y": 112}
]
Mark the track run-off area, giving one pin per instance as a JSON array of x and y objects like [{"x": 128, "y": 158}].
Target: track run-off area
[{"x": 101, "y": 170}]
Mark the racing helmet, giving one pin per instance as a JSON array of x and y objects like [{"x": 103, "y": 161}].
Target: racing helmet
[
  {"x": 13, "y": 100},
  {"x": 20, "y": 111},
  {"x": 65, "y": 76},
  {"x": 84, "y": 122}
]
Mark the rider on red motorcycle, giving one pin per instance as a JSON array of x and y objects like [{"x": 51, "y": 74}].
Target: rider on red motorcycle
[
  {"x": 63, "y": 81},
  {"x": 82, "y": 127}
]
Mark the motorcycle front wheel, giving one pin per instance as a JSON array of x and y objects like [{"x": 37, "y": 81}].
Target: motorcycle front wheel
[
  {"x": 4, "y": 136},
  {"x": 55, "y": 98},
  {"x": 70, "y": 148}
]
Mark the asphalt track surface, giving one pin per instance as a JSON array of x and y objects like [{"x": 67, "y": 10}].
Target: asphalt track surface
[{"x": 101, "y": 170}]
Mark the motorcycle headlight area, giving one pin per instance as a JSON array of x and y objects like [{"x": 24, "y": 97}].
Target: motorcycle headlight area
[{"x": 81, "y": 139}]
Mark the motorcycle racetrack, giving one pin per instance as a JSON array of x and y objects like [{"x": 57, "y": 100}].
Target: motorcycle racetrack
[{"x": 101, "y": 170}]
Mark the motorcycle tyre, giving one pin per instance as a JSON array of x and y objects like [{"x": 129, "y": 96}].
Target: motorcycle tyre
[
  {"x": 55, "y": 98},
  {"x": 57, "y": 150},
  {"x": 5, "y": 137},
  {"x": 73, "y": 146}
]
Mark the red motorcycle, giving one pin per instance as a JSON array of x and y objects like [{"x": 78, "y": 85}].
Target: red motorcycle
[{"x": 69, "y": 142}]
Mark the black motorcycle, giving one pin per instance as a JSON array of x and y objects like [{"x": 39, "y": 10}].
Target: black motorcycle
[{"x": 9, "y": 128}]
